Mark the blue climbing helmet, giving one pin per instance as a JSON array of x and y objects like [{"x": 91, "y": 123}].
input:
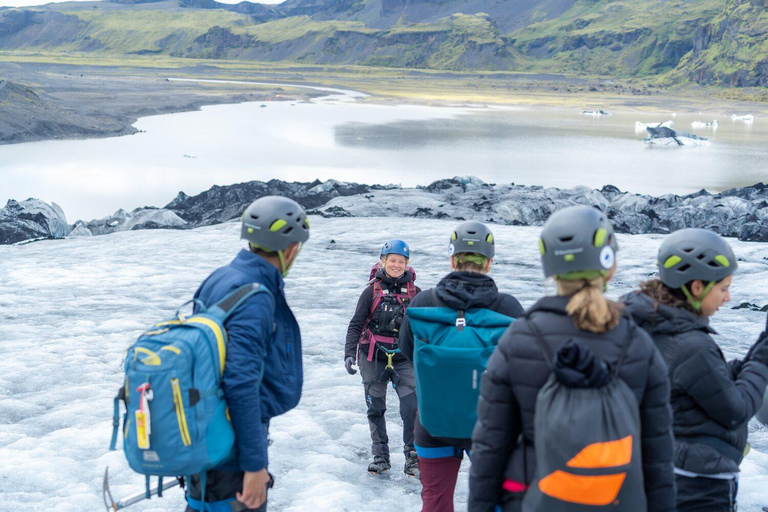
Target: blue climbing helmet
[{"x": 396, "y": 247}]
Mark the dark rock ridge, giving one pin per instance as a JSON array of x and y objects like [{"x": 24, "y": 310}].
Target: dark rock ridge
[
  {"x": 31, "y": 220},
  {"x": 739, "y": 212}
]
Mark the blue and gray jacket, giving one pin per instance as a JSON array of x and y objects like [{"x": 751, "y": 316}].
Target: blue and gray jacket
[{"x": 263, "y": 374}]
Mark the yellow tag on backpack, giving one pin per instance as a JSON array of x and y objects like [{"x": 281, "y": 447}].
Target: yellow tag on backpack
[{"x": 143, "y": 425}]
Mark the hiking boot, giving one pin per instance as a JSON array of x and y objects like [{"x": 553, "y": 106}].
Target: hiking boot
[
  {"x": 412, "y": 466},
  {"x": 379, "y": 466}
]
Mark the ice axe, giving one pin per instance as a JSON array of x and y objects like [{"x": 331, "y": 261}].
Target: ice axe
[{"x": 111, "y": 504}]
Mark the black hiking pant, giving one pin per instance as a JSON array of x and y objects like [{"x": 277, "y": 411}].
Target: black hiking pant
[
  {"x": 703, "y": 494},
  {"x": 221, "y": 486},
  {"x": 375, "y": 380}
]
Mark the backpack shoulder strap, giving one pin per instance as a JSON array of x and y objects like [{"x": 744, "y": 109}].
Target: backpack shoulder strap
[
  {"x": 378, "y": 293},
  {"x": 534, "y": 330},
  {"x": 231, "y": 302},
  {"x": 439, "y": 303},
  {"x": 625, "y": 348},
  {"x": 497, "y": 303}
]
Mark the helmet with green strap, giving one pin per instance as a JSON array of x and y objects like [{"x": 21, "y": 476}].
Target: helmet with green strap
[
  {"x": 578, "y": 242},
  {"x": 273, "y": 223},
  {"x": 695, "y": 254},
  {"x": 475, "y": 241}
]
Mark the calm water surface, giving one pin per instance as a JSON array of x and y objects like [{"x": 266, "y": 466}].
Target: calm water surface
[{"x": 375, "y": 144}]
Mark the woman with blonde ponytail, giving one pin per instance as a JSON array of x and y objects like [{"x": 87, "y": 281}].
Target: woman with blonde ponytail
[{"x": 576, "y": 344}]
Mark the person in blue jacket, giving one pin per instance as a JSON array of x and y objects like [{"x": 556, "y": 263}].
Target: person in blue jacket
[{"x": 263, "y": 374}]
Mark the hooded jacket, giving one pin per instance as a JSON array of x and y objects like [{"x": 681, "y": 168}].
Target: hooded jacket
[
  {"x": 710, "y": 398},
  {"x": 503, "y": 439},
  {"x": 363, "y": 311},
  {"x": 461, "y": 290},
  {"x": 263, "y": 373}
]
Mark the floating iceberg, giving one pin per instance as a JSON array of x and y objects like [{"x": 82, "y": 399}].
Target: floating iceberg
[
  {"x": 669, "y": 137},
  {"x": 596, "y": 113},
  {"x": 746, "y": 118},
  {"x": 702, "y": 124},
  {"x": 640, "y": 127}
]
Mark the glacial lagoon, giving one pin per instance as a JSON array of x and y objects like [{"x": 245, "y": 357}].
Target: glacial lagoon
[{"x": 337, "y": 137}]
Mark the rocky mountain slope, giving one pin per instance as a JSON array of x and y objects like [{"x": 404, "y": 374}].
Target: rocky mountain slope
[
  {"x": 741, "y": 213},
  {"x": 732, "y": 49},
  {"x": 702, "y": 40},
  {"x": 25, "y": 116}
]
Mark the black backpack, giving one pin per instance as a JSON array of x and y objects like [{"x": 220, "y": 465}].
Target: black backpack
[{"x": 587, "y": 441}]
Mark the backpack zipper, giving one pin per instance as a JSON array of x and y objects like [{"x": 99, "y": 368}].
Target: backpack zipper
[{"x": 180, "y": 416}]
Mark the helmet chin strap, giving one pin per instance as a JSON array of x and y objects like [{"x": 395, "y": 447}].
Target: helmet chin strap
[
  {"x": 281, "y": 255},
  {"x": 696, "y": 302}
]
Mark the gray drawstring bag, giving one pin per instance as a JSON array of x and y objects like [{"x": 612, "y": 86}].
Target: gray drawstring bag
[{"x": 586, "y": 435}]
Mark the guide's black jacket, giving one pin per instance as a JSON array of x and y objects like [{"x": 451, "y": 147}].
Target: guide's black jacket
[
  {"x": 710, "y": 398},
  {"x": 363, "y": 311},
  {"x": 503, "y": 439}
]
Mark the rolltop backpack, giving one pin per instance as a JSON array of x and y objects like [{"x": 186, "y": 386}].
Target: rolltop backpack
[
  {"x": 393, "y": 307},
  {"x": 176, "y": 421},
  {"x": 587, "y": 444},
  {"x": 451, "y": 351}
]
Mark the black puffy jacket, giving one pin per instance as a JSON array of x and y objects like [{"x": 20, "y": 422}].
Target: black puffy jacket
[
  {"x": 503, "y": 439},
  {"x": 710, "y": 398},
  {"x": 363, "y": 311}
]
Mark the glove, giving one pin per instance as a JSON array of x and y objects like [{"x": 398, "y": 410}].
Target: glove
[
  {"x": 348, "y": 362},
  {"x": 759, "y": 351}
]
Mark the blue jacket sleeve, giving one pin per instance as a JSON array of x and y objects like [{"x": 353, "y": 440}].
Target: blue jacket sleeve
[{"x": 249, "y": 330}]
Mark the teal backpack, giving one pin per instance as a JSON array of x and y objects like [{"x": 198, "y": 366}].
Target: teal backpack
[
  {"x": 176, "y": 421},
  {"x": 451, "y": 349}
]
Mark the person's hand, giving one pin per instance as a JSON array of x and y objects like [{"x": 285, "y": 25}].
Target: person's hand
[
  {"x": 759, "y": 351},
  {"x": 254, "y": 489},
  {"x": 348, "y": 362}
]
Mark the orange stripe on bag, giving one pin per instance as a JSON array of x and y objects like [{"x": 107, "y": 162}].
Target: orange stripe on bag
[
  {"x": 585, "y": 490},
  {"x": 604, "y": 455}
]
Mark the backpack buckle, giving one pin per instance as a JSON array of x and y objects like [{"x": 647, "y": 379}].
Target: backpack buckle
[{"x": 461, "y": 322}]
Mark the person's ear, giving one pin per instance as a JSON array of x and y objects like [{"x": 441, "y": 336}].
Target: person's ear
[
  {"x": 290, "y": 252},
  {"x": 488, "y": 265},
  {"x": 453, "y": 262},
  {"x": 612, "y": 272},
  {"x": 697, "y": 288}
]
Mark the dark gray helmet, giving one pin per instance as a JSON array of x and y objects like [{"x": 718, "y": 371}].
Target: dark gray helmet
[
  {"x": 693, "y": 253},
  {"x": 473, "y": 237},
  {"x": 273, "y": 223},
  {"x": 577, "y": 242}
]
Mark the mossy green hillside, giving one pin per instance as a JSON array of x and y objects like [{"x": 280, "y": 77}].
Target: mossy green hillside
[
  {"x": 732, "y": 49},
  {"x": 616, "y": 38}
]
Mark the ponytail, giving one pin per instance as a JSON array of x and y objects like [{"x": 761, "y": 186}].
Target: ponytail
[{"x": 589, "y": 308}]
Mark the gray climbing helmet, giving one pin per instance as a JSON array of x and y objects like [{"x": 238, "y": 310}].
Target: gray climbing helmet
[
  {"x": 693, "y": 253},
  {"x": 272, "y": 223},
  {"x": 474, "y": 237},
  {"x": 578, "y": 242}
]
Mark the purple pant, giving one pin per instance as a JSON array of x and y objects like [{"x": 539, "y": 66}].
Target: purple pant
[{"x": 438, "y": 480}]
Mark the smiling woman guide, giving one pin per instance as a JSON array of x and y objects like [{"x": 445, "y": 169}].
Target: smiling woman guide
[
  {"x": 372, "y": 342},
  {"x": 712, "y": 400}
]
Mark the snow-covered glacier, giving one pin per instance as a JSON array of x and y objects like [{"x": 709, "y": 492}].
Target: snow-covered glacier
[{"x": 71, "y": 308}]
